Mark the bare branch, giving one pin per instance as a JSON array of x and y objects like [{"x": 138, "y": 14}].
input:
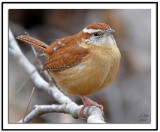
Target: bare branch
[
  {"x": 67, "y": 106},
  {"x": 95, "y": 114}
]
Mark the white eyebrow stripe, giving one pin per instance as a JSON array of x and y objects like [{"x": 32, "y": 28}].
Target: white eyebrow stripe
[{"x": 90, "y": 30}]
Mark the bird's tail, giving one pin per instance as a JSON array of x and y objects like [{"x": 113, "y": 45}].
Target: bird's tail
[{"x": 32, "y": 41}]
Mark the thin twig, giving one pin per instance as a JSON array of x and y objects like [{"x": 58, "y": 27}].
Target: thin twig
[
  {"x": 46, "y": 74},
  {"x": 20, "y": 88},
  {"x": 26, "y": 33},
  {"x": 28, "y": 103}
]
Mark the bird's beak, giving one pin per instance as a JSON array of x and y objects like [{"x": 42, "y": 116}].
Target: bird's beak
[{"x": 109, "y": 31}]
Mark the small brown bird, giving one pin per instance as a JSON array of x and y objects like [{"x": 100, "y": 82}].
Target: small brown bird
[{"x": 83, "y": 63}]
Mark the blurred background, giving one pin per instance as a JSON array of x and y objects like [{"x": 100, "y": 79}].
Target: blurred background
[{"x": 126, "y": 100}]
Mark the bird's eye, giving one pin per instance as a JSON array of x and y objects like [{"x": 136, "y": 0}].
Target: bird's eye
[{"x": 96, "y": 34}]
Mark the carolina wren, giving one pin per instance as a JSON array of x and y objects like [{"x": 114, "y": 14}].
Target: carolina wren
[{"x": 83, "y": 63}]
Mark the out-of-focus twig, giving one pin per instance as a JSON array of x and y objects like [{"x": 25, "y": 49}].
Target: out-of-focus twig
[
  {"x": 40, "y": 65},
  {"x": 28, "y": 103},
  {"x": 67, "y": 106},
  {"x": 19, "y": 89}
]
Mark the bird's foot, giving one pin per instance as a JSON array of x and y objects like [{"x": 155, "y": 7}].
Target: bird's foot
[{"x": 88, "y": 103}]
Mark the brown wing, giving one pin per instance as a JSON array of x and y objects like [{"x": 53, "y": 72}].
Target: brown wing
[{"x": 64, "y": 58}]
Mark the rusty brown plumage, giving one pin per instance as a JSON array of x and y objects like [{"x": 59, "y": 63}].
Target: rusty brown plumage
[
  {"x": 97, "y": 25},
  {"x": 78, "y": 67},
  {"x": 63, "y": 53},
  {"x": 65, "y": 58},
  {"x": 83, "y": 63},
  {"x": 32, "y": 41}
]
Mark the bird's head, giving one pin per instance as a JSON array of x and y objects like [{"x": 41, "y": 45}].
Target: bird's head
[{"x": 98, "y": 34}]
